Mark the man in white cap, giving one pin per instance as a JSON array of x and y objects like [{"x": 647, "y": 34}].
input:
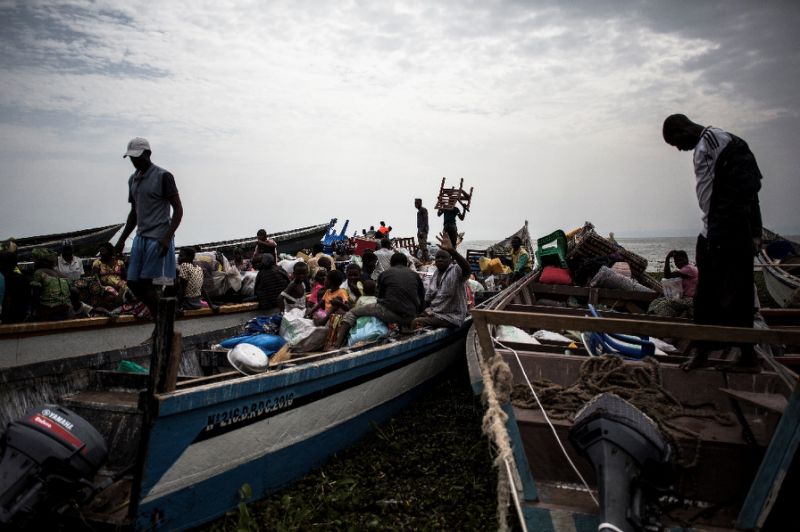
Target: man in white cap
[{"x": 152, "y": 192}]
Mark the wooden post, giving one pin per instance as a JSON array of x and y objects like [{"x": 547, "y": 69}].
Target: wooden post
[
  {"x": 163, "y": 342},
  {"x": 484, "y": 337},
  {"x": 162, "y": 346},
  {"x": 172, "y": 365}
]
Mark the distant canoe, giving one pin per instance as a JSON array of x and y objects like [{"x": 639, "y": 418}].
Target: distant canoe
[
  {"x": 780, "y": 261},
  {"x": 84, "y": 242},
  {"x": 288, "y": 241}
]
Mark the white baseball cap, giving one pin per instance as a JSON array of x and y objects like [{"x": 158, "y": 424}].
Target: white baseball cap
[{"x": 136, "y": 147}]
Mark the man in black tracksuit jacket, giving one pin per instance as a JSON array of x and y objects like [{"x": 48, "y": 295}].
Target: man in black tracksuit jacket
[{"x": 728, "y": 181}]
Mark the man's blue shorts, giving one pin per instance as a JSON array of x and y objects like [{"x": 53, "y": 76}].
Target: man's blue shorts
[{"x": 146, "y": 261}]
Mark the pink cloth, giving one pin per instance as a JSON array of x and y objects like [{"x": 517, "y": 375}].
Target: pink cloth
[
  {"x": 622, "y": 268},
  {"x": 689, "y": 278},
  {"x": 314, "y": 291}
]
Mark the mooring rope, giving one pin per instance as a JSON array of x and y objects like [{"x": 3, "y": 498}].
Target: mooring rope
[
  {"x": 497, "y": 390},
  {"x": 640, "y": 385},
  {"x": 547, "y": 419}
]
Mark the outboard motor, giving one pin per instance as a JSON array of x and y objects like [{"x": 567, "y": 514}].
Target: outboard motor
[
  {"x": 49, "y": 456},
  {"x": 631, "y": 460}
]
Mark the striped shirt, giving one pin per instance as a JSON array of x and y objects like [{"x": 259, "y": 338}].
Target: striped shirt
[
  {"x": 447, "y": 294},
  {"x": 712, "y": 142}
]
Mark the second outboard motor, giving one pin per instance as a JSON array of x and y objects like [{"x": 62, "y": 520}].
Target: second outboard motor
[
  {"x": 630, "y": 457},
  {"x": 50, "y": 456}
]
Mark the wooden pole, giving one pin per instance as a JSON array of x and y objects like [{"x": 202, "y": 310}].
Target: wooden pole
[{"x": 157, "y": 379}]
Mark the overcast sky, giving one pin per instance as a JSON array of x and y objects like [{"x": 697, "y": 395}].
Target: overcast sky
[{"x": 285, "y": 114}]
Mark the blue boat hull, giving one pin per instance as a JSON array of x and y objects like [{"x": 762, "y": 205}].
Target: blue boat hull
[{"x": 269, "y": 430}]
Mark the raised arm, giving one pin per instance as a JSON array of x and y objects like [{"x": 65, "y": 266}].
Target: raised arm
[
  {"x": 667, "y": 271},
  {"x": 446, "y": 245}
]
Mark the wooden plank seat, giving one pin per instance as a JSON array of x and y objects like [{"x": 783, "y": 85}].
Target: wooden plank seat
[{"x": 770, "y": 401}]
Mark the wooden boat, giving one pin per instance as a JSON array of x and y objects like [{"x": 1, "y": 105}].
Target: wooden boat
[
  {"x": 42, "y": 361},
  {"x": 185, "y": 449},
  {"x": 84, "y": 242},
  {"x": 780, "y": 261},
  {"x": 740, "y": 464},
  {"x": 501, "y": 250},
  {"x": 288, "y": 241}
]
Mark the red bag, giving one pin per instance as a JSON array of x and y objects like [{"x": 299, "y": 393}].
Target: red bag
[{"x": 555, "y": 275}]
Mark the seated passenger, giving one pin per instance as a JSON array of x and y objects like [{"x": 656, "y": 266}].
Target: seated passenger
[
  {"x": 190, "y": 281},
  {"x": 68, "y": 264},
  {"x": 270, "y": 282},
  {"x": 446, "y": 296},
  {"x": 368, "y": 294},
  {"x": 400, "y": 293},
  {"x": 680, "y": 303},
  {"x": 265, "y": 245},
  {"x": 686, "y": 271},
  {"x": 316, "y": 254},
  {"x": 318, "y": 286},
  {"x": 241, "y": 263},
  {"x": 110, "y": 271},
  {"x": 369, "y": 261},
  {"x": 384, "y": 256},
  {"x": 294, "y": 296},
  {"x": 52, "y": 291},
  {"x": 16, "y": 299},
  {"x": 520, "y": 259},
  {"x": 333, "y": 299},
  {"x": 327, "y": 263},
  {"x": 353, "y": 284}
]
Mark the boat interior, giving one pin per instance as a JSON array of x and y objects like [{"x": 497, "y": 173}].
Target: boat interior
[{"x": 724, "y": 418}]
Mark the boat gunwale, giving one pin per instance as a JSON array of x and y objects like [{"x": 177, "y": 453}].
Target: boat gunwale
[
  {"x": 323, "y": 364},
  {"x": 28, "y": 329},
  {"x": 279, "y": 236},
  {"x": 30, "y": 242}
]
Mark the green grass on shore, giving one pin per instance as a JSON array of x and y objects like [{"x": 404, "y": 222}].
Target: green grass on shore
[{"x": 429, "y": 468}]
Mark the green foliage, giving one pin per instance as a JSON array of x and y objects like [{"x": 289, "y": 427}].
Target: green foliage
[
  {"x": 246, "y": 521},
  {"x": 428, "y": 468}
]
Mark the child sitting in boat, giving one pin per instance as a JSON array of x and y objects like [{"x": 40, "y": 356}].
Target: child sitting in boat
[
  {"x": 332, "y": 301},
  {"x": 368, "y": 294},
  {"x": 354, "y": 285},
  {"x": 295, "y": 294},
  {"x": 110, "y": 270},
  {"x": 369, "y": 261},
  {"x": 53, "y": 295},
  {"x": 318, "y": 287}
]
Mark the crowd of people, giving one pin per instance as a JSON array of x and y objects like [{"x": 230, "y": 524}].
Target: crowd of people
[{"x": 386, "y": 283}]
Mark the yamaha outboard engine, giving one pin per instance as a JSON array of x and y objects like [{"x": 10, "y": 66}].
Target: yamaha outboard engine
[
  {"x": 49, "y": 456},
  {"x": 631, "y": 460}
]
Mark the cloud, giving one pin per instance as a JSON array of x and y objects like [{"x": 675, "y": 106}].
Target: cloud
[{"x": 289, "y": 113}]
